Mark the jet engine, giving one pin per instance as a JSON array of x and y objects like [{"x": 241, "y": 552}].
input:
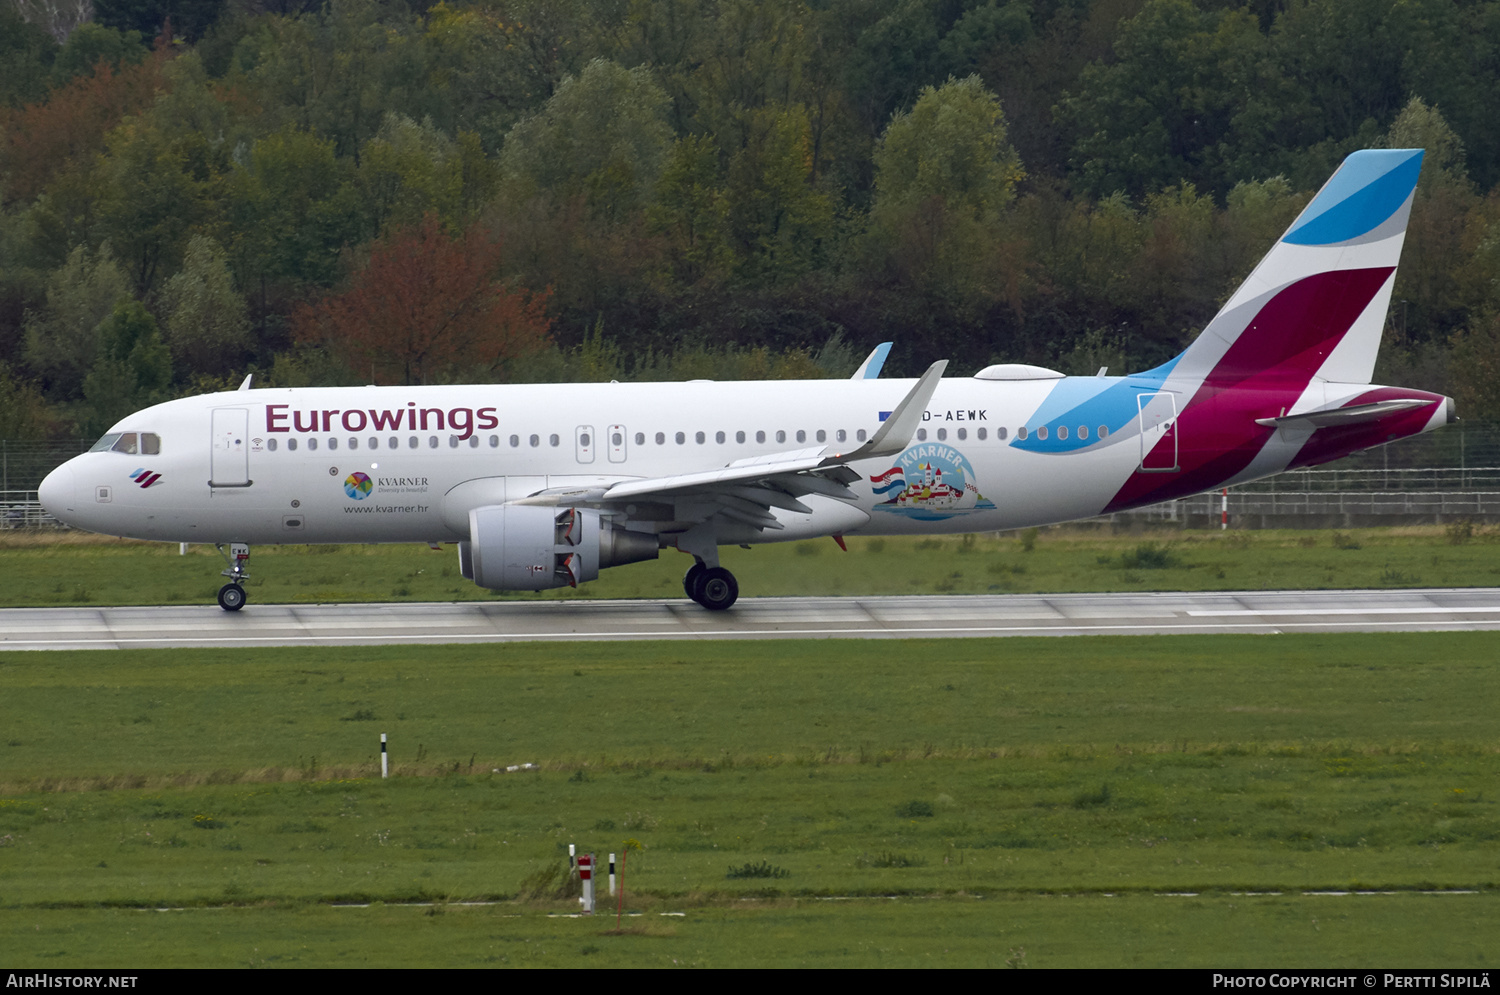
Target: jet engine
[{"x": 515, "y": 547}]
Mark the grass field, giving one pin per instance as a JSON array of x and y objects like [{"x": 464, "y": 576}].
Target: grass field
[
  {"x": 1024, "y": 801},
  {"x": 74, "y": 569}
]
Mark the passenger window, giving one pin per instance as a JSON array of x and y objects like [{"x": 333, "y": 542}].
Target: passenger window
[
  {"x": 1000, "y": 433},
  {"x": 698, "y": 438},
  {"x": 413, "y": 442},
  {"x": 1021, "y": 433},
  {"x": 739, "y": 437},
  {"x": 661, "y": 438},
  {"x": 801, "y": 435},
  {"x": 432, "y": 442},
  {"x": 393, "y": 442},
  {"x": 860, "y": 435},
  {"x": 291, "y": 445},
  {"x": 1103, "y": 431},
  {"x": 841, "y": 435},
  {"x": 719, "y": 437},
  {"x": 963, "y": 434},
  {"x": 942, "y": 435},
  {"x": 780, "y": 435},
  {"x": 921, "y": 435},
  {"x": 1083, "y": 431},
  {"x": 983, "y": 432},
  {"x": 333, "y": 443},
  {"x": 553, "y": 441},
  {"x": 822, "y": 435},
  {"x": 515, "y": 441},
  {"x": 760, "y": 436},
  {"x": 1062, "y": 433},
  {"x": 271, "y": 444},
  {"x": 312, "y": 444},
  {"x": 535, "y": 440},
  {"x": 452, "y": 442},
  {"x": 640, "y": 438},
  {"x": 681, "y": 438},
  {"x": 353, "y": 443},
  {"x": 494, "y": 442}
]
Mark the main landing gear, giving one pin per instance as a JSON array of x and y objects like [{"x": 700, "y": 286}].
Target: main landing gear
[
  {"x": 232, "y": 595},
  {"x": 712, "y": 587}
]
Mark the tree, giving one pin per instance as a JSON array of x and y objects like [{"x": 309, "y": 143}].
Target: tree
[
  {"x": 779, "y": 223},
  {"x": 134, "y": 368},
  {"x": 427, "y": 305},
  {"x": 62, "y": 340},
  {"x": 1158, "y": 114},
  {"x": 944, "y": 174},
  {"x": 57, "y": 17},
  {"x": 61, "y": 134},
  {"x": 410, "y": 169},
  {"x": 23, "y": 413},
  {"x": 602, "y": 136},
  {"x": 205, "y": 316}
]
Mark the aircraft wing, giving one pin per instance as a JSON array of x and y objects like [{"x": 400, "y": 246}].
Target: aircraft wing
[{"x": 746, "y": 490}]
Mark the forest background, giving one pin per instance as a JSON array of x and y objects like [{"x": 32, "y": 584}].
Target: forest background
[{"x": 398, "y": 191}]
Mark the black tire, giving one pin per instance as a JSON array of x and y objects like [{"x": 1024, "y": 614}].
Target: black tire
[
  {"x": 717, "y": 589},
  {"x": 231, "y": 597},
  {"x": 691, "y": 578}
]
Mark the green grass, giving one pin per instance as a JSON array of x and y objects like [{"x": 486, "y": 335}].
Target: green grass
[
  {"x": 1002, "y": 789},
  {"x": 47, "y": 570}
]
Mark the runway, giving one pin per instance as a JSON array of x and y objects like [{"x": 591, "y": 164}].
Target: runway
[{"x": 1475, "y": 609}]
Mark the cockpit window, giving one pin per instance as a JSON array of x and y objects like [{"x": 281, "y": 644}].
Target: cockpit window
[{"x": 133, "y": 443}]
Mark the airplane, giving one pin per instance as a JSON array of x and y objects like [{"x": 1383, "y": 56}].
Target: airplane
[{"x": 542, "y": 486}]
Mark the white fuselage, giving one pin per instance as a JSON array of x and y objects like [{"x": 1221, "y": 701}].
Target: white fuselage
[{"x": 284, "y": 460}]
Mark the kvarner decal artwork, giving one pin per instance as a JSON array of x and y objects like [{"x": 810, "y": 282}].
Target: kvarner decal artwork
[{"x": 930, "y": 483}]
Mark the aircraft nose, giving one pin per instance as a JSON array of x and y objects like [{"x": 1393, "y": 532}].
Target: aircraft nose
[{"x": 56, "y": 491}]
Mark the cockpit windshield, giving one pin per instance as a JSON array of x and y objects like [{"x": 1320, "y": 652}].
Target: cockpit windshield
[{"x": 133, "y": 443}]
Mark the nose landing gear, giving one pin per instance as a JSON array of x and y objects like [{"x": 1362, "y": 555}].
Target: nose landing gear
[{"x": 232, "y": 595}]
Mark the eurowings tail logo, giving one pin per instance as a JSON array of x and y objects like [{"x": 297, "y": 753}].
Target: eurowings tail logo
[{"x": 145, "y": 477}]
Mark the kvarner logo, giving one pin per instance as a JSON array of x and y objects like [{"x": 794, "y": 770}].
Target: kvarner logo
[
  {"x": 930, "y": 483},
  {"x": 357, "y": 485}
]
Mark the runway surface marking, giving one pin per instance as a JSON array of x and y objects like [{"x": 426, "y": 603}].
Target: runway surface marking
[{"x": 754, "y": 618}]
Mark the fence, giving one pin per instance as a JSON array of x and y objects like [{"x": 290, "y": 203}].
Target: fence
[{"x": 24, "y": 464}]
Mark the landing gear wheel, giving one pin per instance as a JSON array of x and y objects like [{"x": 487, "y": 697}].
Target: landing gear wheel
[
  {"x": 231, "y": 597},
  {"x": 691, "y": 578},
  {"x": 717, "y": 589}
]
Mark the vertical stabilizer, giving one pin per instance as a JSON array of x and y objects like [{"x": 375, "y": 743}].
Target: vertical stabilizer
[{"x": 1316, "y": 304}]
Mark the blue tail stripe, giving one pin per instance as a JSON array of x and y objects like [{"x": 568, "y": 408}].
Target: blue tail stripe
[{"x": 1370, "y": 188}]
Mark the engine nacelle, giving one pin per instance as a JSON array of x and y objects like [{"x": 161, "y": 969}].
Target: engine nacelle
[{"x": 514, "y": 547}]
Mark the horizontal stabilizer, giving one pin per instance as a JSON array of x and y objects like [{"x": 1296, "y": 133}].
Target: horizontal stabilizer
[{"x": 1327, "y": 417}]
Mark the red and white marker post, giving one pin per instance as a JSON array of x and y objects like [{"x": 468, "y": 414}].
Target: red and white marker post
[{"x": 586, "y": 875}]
